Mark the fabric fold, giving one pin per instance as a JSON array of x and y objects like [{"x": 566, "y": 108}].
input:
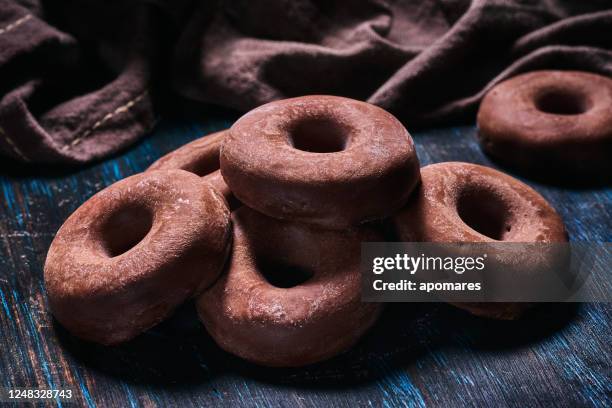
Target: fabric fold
[{"x": 80, "y": 80}]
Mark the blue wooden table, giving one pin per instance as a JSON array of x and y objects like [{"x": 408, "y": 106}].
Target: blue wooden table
[{"x": 417, "y": 355}]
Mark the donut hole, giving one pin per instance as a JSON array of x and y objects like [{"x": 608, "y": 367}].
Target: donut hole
[
  {"x": 203, "y": 165},
  {"x": 562, "y": 102},
  {"x": 124, "y": 229},
  {"x": 319, "y": 134},
  {"x": 281, "y": 274},
  {"x": 485, "y": 212}
]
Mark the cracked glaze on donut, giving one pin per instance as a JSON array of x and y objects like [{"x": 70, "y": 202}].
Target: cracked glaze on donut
[
  {"x": 550, "y": 121},
  {"x": 323, "y": 160},
  {"x": 291, "y": 293},
  {"x": 126, "y": 258},
  {"x": 463, "y": 202},
  {"x": 200, "y": 157}
]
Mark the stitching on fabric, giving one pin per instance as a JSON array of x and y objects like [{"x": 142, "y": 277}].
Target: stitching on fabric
[
  {"x": 6, "y": 137},
  {"x": 15, "y": 24},
  {"x": 13, "y": 145},
  {"x": 106, "y": 118}
]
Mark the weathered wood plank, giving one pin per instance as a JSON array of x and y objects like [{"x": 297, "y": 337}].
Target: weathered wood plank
[{"x": 417, "y": 354}]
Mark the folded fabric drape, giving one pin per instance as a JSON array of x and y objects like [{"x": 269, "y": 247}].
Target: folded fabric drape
[{"x": 80, "y": 80}]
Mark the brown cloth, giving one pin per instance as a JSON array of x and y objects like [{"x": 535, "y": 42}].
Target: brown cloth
[{"x": 82, "y": 79}]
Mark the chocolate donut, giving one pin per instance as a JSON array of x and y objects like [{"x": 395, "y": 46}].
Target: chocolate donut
[
  {"x": 200, "y": 157},
  {"x": 132, "y": 253},
  {"x": 550, "y": 122},
  {"x": 463, "y": 202},
  {"x": 291, "y": 298},
  {"x": 324, "y": 160}
]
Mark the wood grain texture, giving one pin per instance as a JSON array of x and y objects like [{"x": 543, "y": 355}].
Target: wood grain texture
[{"x": 417, "y": 355}]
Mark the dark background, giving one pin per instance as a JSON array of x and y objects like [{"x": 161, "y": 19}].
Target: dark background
[{"x": 430, "y": 354}]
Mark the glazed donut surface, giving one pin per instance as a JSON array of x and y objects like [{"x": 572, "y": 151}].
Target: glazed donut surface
[
  {"x": 324, "y": 160},
  {"x": 132, "y": 253},
  {"x": 200, "y": 157},
  {"x": 290, "y": 295},
  {"x": 550, "y": 122},
  {"x": 463, "y": 202}
]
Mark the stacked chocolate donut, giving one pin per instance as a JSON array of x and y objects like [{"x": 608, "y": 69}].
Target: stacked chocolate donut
[
  {"x": 310, "y": 173},
  {"x": 298, "y": 184}
]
